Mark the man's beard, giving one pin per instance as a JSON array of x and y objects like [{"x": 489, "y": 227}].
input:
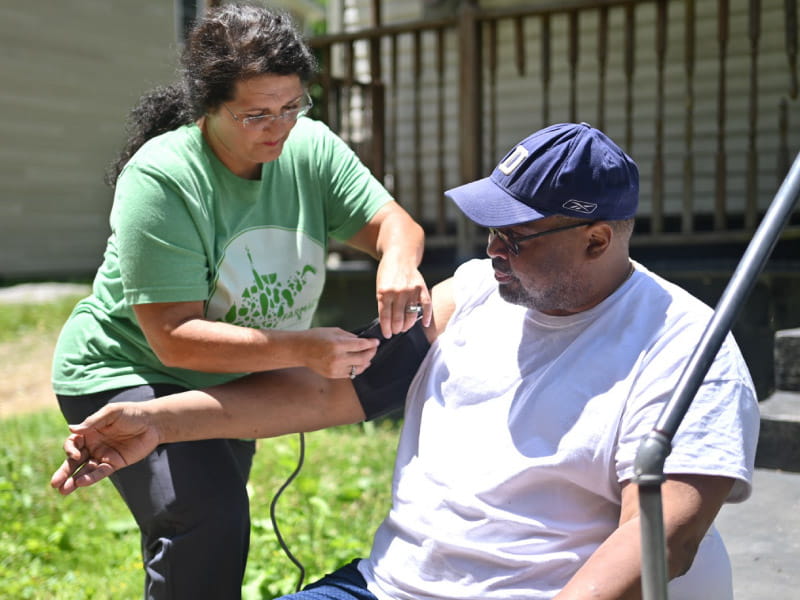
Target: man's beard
[{"x": 563, "y": 295}]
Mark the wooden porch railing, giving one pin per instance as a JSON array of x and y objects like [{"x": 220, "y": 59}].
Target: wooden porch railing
[{"x": 687, "y": 87}]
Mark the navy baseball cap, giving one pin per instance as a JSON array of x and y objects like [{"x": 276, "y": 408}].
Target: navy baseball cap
[{"x": 569, "y": 169}]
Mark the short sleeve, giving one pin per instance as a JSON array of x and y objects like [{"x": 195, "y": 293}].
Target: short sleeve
[
  {"x": 162, "y": 252},
  {"x": 354, "y": 194},
  {"x": 718, "y": 434}
]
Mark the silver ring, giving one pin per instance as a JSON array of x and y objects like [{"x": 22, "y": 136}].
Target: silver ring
[
  {"x": 414, "y": 309},
  {"x": 353, "y": 372}
]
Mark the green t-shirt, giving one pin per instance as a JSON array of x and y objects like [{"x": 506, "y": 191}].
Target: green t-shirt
[{"x": 184, "y": 228}]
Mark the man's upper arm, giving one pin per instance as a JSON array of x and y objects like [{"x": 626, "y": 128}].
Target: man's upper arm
[{"x": 443, "y": 307}]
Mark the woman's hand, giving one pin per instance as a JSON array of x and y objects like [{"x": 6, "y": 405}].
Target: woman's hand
[
  {"x": 114, "y": 437},
  {"x": 397, "y": 241},
  {"x": 335, "y": 353},
  {"x": 399, "y": 285}
]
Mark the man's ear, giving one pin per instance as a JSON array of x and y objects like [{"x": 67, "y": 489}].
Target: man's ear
[{"x": 598, "y": 240}]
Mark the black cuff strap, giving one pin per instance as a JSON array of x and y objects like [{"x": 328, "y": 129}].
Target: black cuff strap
[{"x": 382, "y": 388}]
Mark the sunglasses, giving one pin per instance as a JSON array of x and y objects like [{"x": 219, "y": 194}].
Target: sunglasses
[{"x": 511, "y": 241}]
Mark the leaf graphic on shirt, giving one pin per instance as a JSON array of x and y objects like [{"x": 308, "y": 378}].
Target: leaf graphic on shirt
[{"x": 266, "y": 302}]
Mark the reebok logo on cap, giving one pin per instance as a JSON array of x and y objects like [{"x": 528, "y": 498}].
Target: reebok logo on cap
[{"x": 581, "y": 207}]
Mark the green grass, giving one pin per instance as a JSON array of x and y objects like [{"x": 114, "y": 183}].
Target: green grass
[
  {"x": 53, "y": 547},
  {"x": 85, "y": 546},
  {"x": 329, "y": 513},
  {"x": 25, "y": 319}
]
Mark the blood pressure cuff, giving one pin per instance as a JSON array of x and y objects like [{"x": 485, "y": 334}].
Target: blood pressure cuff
[{"x": 382, "y": 388}]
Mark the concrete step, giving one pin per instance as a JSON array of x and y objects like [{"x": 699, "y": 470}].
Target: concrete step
[
  {"x": 779, "y": 437},
  {"x": 787, "y": 360}
]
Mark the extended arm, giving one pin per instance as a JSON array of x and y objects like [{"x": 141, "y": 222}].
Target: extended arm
[
  {"x": 260, "y": 405},
  {"x": 613, "y": 572}
]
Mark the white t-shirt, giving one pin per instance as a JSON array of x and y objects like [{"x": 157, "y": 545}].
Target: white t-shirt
[{"x": 520, "y": 426}]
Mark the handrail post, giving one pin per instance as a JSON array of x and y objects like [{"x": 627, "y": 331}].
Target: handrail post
[{"x": 648, "y": 476}]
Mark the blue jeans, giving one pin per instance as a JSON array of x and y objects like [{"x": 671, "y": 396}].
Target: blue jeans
[
  {"x": 190, "y": 502},
  {"x": 345, "y": 583}
]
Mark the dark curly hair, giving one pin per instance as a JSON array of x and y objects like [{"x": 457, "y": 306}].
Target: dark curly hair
[{"x": 229, "y": 44}]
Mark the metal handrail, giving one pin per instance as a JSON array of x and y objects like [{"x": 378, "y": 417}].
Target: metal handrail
[{"x": 656, "y": 445}]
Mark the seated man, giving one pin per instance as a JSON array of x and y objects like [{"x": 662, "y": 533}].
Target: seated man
[{"x": 549, "y": 363}]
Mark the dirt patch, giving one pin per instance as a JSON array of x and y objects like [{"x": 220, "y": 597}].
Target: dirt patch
[
  {"x": 25, "y": 363},
  {"x": 25, "y": 375}
]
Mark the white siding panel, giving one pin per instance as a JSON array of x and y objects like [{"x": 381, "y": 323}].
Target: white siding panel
[{"x": 71, "y": 72}]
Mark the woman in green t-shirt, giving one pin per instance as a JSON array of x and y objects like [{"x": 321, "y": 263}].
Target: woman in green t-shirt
[{"x": 225, "y": 197}]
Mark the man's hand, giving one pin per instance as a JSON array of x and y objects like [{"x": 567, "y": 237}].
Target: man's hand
[{"x": 114, "y": 437}]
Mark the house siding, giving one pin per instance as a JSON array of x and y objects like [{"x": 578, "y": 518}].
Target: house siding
[{"x": 71, "y": 72}]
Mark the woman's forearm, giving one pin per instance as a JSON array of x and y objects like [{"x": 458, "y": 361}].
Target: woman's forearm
[
  {"x": 402, "y": 237},
  {"x": 181, "y": 337}
]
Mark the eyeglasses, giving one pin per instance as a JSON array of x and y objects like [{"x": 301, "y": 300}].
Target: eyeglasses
[
  {"x": 511, "y": 241},
  {"x": 304, "y": 105}
]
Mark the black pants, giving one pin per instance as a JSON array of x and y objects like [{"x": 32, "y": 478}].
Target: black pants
[{"x": 190, "y": 502}]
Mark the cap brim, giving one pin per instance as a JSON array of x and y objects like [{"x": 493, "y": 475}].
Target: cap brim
[{"x": 488, "y": 205}]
